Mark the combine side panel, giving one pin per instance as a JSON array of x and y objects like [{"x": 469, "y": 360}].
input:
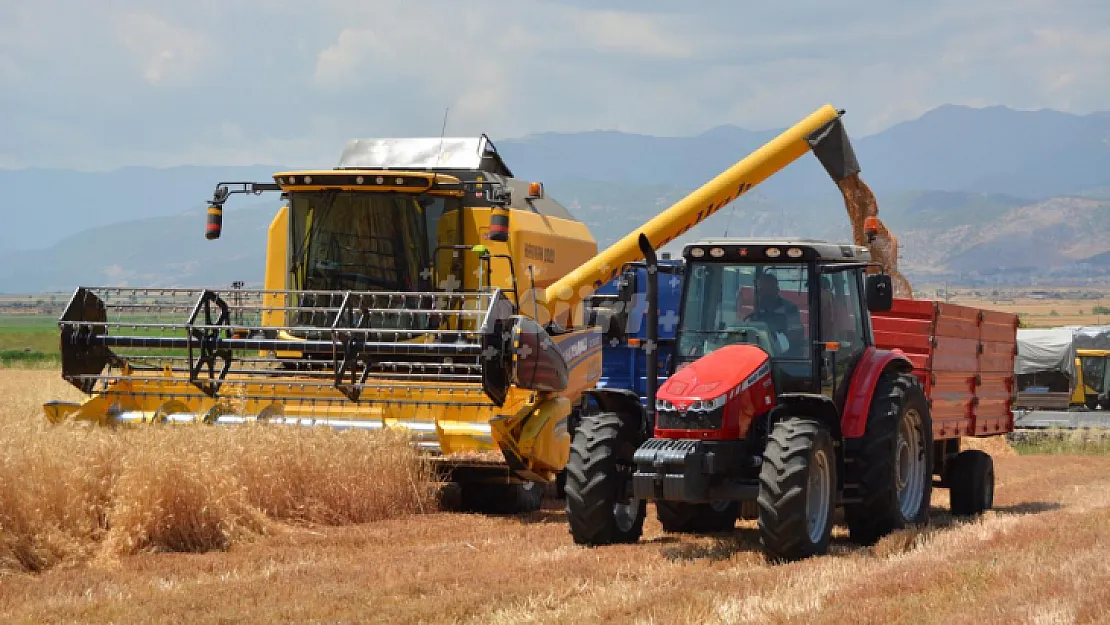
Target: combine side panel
[{"x": 963, "y": 357}]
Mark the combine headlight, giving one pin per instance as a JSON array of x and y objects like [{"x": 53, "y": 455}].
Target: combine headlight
[
  {"x": 773, "y": 252},
  {"x": 717, "y": 252},
  {"x": 359, "y": 180},
  {"x": 400, "y": 181},
  {"x": 697, "y": 252},
  {"x": 794, "y": 252},
  {"x": 308, "y": 179}
]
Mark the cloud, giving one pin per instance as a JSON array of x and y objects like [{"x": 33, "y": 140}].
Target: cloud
[
  {"x": 163, "y": 52},
  {"x": 164, "y": 82}
]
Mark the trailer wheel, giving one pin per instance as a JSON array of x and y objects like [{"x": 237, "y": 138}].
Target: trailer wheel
[
  {"x": 971, "y": 483},
  {"x": 682, "y": 517},
  {"x": 797, "y": 489},
  {"x": 599, "y": 504},
  {"x": 894, "y": 465},
  {"x": 501, "y": 498}
]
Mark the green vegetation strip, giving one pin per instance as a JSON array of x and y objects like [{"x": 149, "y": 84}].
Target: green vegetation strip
[{"x": 1078, "y": 442}]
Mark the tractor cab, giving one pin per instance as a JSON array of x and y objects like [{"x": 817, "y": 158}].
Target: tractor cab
[{"x": 803, "y": 302}]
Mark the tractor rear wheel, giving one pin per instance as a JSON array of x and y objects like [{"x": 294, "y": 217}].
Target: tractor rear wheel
[
  {"x": 971, "y": 483},
  {"x": 681, "y": 517},
  {"x": 599, "y": 504},
  {"x": 893, "y": 467},
  {"x": 797, "y": 489}
]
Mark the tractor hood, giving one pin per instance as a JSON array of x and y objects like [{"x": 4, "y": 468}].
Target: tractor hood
[{"x": 714, "y": 376}]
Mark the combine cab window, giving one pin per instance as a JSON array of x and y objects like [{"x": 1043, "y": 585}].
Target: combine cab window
[
  {"x": 1094, "y": 374},
  {"x": 765, "y": 305},
  {"x": 344, "y": 240}
]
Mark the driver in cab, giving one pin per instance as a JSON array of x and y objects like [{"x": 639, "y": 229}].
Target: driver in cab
[{"x": 781, "y": 316}]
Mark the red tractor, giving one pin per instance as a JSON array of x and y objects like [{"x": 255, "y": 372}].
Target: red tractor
[{"x": 800, "y": 384}]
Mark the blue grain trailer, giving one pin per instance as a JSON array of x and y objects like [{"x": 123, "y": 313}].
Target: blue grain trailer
[{"x": 620, "y": 307}]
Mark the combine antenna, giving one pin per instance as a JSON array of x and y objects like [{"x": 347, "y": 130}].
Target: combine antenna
[
  {"x": 731, "y": 214},
  {"x": 442, "y": 133}
]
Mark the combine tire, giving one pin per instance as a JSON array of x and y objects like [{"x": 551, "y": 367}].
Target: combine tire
[
  {"x": 894, "y": 465},
  {"x": 681, "y": 517},
  {"x": 971, "y": 483},
  {"x": 599, "y": 506},
  {"x": 502, "y": 498},
  {"x": 797, "y": 492}
]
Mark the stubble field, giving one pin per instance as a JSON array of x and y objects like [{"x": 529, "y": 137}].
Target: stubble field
[{"x": 307, "y": 527}]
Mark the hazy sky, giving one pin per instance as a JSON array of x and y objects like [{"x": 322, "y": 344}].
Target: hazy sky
[{"x": 102, "y": 84}]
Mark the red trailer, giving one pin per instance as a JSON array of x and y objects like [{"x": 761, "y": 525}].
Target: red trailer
[{"x": 964, "y": 358}]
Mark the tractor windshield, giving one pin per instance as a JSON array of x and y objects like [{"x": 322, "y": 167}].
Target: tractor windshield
[
  {"x": 359, "y": 241},
  {"x": 761, "y": 304}
]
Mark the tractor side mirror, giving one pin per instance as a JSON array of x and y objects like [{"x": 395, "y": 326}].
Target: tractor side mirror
[{"x": 880, "y": 293}]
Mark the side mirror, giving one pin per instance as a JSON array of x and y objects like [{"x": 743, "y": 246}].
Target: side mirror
[{"x": 880, "y": 293}]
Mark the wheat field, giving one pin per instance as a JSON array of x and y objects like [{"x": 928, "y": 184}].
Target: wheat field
[
  {"x": 76, "y": 494},
  {"x": 208, "y": 526}
]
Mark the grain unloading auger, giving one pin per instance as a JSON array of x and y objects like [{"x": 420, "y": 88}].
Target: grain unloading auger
[{"x": 393, "y": 298}]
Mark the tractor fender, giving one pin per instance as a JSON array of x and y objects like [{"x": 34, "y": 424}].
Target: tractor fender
[
  {"x": 872, "y": 365},
  {"x": 819, "y": 407},
  {"x": 624, "y": 402}
]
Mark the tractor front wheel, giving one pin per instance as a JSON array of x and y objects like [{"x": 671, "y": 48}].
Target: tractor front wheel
[
  {"x": 797, "y": 494},
  {"x": 599, "y": 504}
]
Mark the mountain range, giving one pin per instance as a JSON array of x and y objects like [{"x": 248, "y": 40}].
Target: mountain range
[{"x": 970, "y": 192}]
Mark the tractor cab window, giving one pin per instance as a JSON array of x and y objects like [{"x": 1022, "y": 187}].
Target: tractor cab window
[
  {"x": 358, "y": 241},
  {"x": 841, "y": 322},
  {"x": 760, "y": 304}
]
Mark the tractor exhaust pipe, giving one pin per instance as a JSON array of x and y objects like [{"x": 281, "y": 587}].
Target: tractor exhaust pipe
[{"x": 652, "y": 342}]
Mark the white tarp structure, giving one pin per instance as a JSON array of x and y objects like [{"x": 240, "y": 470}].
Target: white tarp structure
[{"x": 1046, "y": 349}]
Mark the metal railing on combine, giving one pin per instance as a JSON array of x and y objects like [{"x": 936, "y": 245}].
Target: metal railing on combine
[{"x": 285, "y": 346}]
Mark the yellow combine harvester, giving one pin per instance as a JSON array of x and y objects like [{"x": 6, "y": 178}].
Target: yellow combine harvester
[{"x": 417, "y": 285}]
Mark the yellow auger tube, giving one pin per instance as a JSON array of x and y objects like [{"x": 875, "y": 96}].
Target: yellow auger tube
[{"x": 566, "y": 293}]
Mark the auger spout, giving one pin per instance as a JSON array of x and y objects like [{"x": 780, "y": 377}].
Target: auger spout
[{"x": 821, "y": 131}]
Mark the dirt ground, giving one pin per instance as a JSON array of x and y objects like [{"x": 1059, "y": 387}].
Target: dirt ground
[{"x": 1041, "y": 557}]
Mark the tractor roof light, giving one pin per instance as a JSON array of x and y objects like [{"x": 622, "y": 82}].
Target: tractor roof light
[
  {"x": 773, "y": 252},
  {"x": 794, "y": 252},
  {"x": 717, "y": 252},
  {"x": 697, "y": 252}
]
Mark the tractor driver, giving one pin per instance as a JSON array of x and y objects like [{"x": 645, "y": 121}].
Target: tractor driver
[{"x": 781, "y": 316}]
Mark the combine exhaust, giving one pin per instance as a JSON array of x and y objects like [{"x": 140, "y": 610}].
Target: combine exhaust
[{"x": 342, "y": 359}]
